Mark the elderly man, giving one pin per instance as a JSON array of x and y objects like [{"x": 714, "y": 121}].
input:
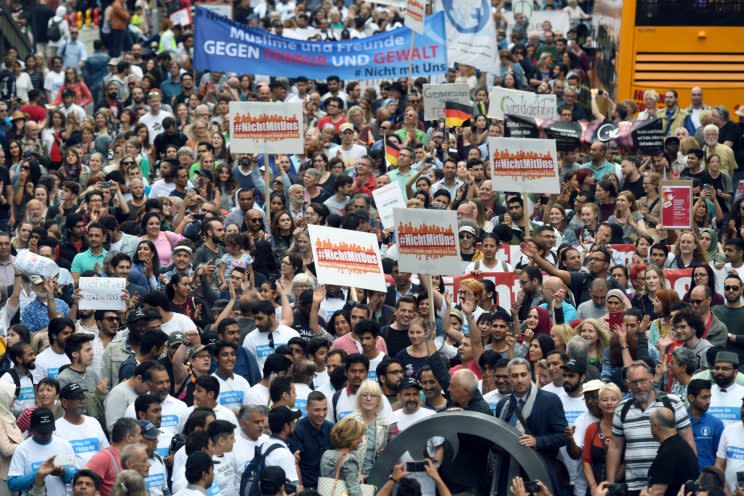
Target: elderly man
[
  {"x": 134, "y": 457},
  {"x": 675, "y": 461},
  {"x": 724, "y": 152},
  {"x": 696, "y": 106},
  {"x": 35, "y": 212},
  {"x": 554, "y": 292},
  {"x": 35, "y": 315}
]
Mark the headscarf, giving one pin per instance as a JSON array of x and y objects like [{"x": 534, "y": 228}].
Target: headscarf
[
  {"x": 617, "y": 293},
  {"x": 60, "y": 12},
  {"x": 713, "y": 253},
  {"x": 543, "y": 321},
  {"x": 7, "y": 396}
]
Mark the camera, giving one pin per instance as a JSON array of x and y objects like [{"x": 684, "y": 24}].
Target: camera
[
  {"x": 532, "y": 487},
  {"x": 618, "y": 489},
  {"x": 416, "y": 466},
  {"x": 690, "y": 487}
]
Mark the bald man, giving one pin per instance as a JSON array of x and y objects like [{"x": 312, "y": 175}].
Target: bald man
[
  {"x": 555, "y": 293},
  {"x": 596, "y": 307},
  {"x": 675, "y": 461}
]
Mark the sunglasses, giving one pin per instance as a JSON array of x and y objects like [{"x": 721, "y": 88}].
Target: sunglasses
[
  {"x": 112, "y": 319},
  {"x": 732, "y": 288}
]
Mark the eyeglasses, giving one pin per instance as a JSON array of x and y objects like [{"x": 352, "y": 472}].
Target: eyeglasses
[
  {"x": 732, "y": 288},
  {"x": 128, "y": 162},
  {"x": 394, "y": 372},
  {"x": 697, "y": 302},
  {"x": 595, "y": 259},
  {"x": 202, "y": 356},
  {"x": 639, "y": 381},
  {"x": 369, "y": 396},
  {"x": 112, "y": 319},
  {"x": 257, "y": 219}
]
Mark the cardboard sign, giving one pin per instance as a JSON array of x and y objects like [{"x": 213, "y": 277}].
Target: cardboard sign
[
  {"x": 347, "y": 258},
  {"x": 266, "y": 127},
  {"x": 648, "y": 136},
  {"x": 436, "y": 94},
  {"x": 415, "y": 15},
  {"x": 676, "y": 204},
  {"x": 387, "y": 198},
  {"x": 427, "y": 241},
  {"x": 518, "y": 126},
  {"x": 181, "y": 17},
  {"x": 506, "y": 101},
  {"x": 102, "y": 293},
  {"x": 32, "y": 264},
  {"x": 526, "y": 165}
]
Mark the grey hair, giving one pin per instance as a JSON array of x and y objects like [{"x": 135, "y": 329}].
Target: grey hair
[
  {"x": 247, "y": 410},
  {"x": 302, "y": 278},
  {"x": 577, "y": 348},
  {"x": 663, "y": 417},
  {"x": 723, "y": 112},
  {"x": 687, "y": 358},
  {"x": 517, "y": 361},
  {"x": 640, "y": 364},
  {"x": 129, "y": 483},
  {"x": 129, "y": 451},
  {"x": 185, "y": 150},
  {"x": 711, "y": 128},
  {"x": 313, "y": 172},
  {"x": 467, "y": 378}
]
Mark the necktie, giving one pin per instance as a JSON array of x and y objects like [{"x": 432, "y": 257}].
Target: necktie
[{"x": 513, "y": 419}]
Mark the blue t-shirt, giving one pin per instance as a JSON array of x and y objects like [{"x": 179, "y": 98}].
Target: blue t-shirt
[{"x": 707, "y": 431}]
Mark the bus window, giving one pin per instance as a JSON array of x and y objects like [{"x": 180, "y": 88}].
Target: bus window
[{"x": 689, "y": 13}]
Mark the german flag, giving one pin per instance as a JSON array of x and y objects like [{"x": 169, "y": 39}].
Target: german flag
[
  {"x": 391, "y": 153},
  {"x": 456, "y": 114}
]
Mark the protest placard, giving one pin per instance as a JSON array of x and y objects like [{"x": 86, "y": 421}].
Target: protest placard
[
  {"x": 102, "y": 293},
  {"x": 415, "y": 15},
  {"x": 507, "y": 101},
  {"x": 648, "y": 136},
  {"x": 32, "y": 264},
  {"x": 676, "y": 204},
  {"x": 471, "y": 33},
  {"x": 227, "y": 46},
  {"x": 436, "y": 94},
  {"x": 526, "y": 165},
  {"x": 386, "y": 199},
  {"x": 347, "y": 258},
  {"x": 427, "y": 241},
  {"x": 266, "y": 127},
  {"x": 223, "y": 9},
  {"x": 520, "y": 126},
  {"x": 181, "y": 17}
]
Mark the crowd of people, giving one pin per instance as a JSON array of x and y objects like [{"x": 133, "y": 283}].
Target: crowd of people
[{"x": 233, "y": 371}]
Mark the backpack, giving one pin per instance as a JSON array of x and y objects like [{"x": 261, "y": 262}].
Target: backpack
[
  {"x": 252, "y": 473},
  {"x": 54, "y": 33},
  {"x": 334, "y": 400},
  {"x": 16, "y": 380},
  {"x": 662, "y": 396}
]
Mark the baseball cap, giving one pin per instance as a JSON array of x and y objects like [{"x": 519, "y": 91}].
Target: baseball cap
[
  {"x": 72, "y": 391},
  {"x": 199, "y": 462},
  {"x": 149, "y": 431},
  {"x": 134, "y": 316},
  {"x": 593, "y": 385},
  {"x": 183, "y": 248},
  {"x": 196, "y": 350},
  {"x": 467, "y": 229},
  {"x": 575, "y": 366},
  {"x": 281, "y": 415},
  {"x": 346, "y": 126},
  {"x": 205, "y": 173},
  {"x": 272, "y": 480},
  {"x": 175, "y": 339},
  {"x": 42, "y": 421},
  {"x": 408, "y": 382},
  {"x": 306, "y": 297},
  {"x": 36, "y": 279}
]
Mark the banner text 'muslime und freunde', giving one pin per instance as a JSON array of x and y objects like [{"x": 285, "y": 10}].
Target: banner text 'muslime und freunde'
[{"x": 221, "y": 44}]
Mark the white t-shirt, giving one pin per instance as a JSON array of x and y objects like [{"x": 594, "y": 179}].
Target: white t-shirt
[
  {"x": 731, "y": 447},
  {"x": 257, "y": 342},
  {"x": 233, "y": 392},
  {"x": 321, "y": 378},
  {"x": 179, "y": 322},
  {"x": 493, "y": 398},
  {"x": 225, "y": 474},
  {"x": 29, "y": 455},
  {"x": 403, "y": 421},
  {"x": 347, "y": 404},
  {"x": 551, "y": 388},
  {"x": 220, "y": 413},
  {"x": 258, "y": 395},
  {"x": 281, "y": 457},
  {"x": 301, "y": 392},
  {"x": 25, "y": 397},
  {"x": 350, "y": 157},
  {"x": 372, "y": 374},
  {"x": 154, "y": 123},
  {"x": 52, "y": 83},
  {"x": 245, "y": 449},
  {"x": 573, "y": 408},
  {"x": 157, "y": 479},
  {"x": 174, "y": 411},
  {"x": 47, "y": 364},
  {"x": 86, "y": 439},
  {"x": 726, "y": 406}
]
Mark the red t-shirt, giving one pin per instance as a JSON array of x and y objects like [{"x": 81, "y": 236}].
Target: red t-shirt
[
  {"x": 103, "y": 465},
  {"x": 472, "y": 366},
  {"x": 35, "y": 112}
]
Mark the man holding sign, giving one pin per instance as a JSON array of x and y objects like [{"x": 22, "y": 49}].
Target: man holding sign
[{"x": 92, "y": 258}]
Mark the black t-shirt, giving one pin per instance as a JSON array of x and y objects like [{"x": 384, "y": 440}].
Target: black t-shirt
[
  {"x": 581, "y": 282},
  {"x": 395, "y": 339},
  {"x": 701, "y": 176},
  {"x": 636, "y": 188},
  {"x": 729, "y": 132},
  {"x": 5, "y": 179},
  {"x": 301, "y": 324},
  {"x": 674, "y": 464}
]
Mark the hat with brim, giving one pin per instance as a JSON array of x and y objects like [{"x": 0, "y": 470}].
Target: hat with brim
[
  {"x": 18, "y": 115},
  {"x": 593, "y": 385}
]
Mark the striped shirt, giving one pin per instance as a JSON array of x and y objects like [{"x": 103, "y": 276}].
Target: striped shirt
[{"x": 640, "y": 446}]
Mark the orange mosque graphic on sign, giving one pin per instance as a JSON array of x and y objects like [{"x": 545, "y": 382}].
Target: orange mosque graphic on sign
[
  {"x": 523, "y": 164},
  {"x": 266, "y": 127},
  {"x": 426, "y": 241},
  {"x": 347, "y": 257}
]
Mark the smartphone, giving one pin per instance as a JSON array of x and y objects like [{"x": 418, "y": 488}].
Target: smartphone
[
  {"x": 512, "y": 329},
  {"x": 531, "y": 487},
  {"x": 198, "y": 216},
  {"x": 416, "y": 466},
  {"x": 618, "y": 489},
  {"x": 706, "y": 186},
  {"x": 616, "y": 319},
  {"x": 104, "y": 184},
  {"x": 690, "y": 487},
  {"x": 189, "y": 190},
  {"x": 63, "y": 460},
  {"x": 740, "y": 479}
]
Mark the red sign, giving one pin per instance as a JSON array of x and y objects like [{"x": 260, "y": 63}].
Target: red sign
[{"x": 676, "y": 206}]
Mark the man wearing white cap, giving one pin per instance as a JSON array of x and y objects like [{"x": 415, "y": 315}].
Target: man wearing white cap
[
  {"x": 348, "y": 151},
  {"x": 591, "y": 415}
]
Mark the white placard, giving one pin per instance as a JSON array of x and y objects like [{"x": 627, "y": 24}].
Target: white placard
[
  {"x": 386, "y": 199},
  {"x": 471, "y": 33},
  {"x": 102, "y": 293},
  {"x": 266, "y": 127},
  {"x": 427, "y": 241},
  {"x": 223, "y": 9},
  {"x": 32, "y": 264},
  {"x": 395, "y": 3},
  {"x": 415, "y": 15},
  {"x": 515, "y": 102},
  {"x": 436, "y": 94},
  {"x": 347, "y": 258},
  {"x": 181, "y": 17},
  {"x": 523, "y": 164}
]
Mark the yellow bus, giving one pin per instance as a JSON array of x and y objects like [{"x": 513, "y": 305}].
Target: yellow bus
[{"x": 670, "y": 44}]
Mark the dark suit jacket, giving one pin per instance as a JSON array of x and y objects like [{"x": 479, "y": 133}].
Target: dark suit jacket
[
  {"x": 546, "y": 422},
  {"x": 386, "y": 316},
  {"x": 390, "y": 298}
]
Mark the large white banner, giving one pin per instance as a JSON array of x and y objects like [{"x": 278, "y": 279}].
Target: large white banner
[
  {"x": 471, "y": 33},
  {"x": 386, "y": 199},
  {"x": 515, "y": 102},
  {"x": 526, "y": 165},
  {"x": 435, "y": 95},
  {"x": 427, "y": 241},
  {"x": 347, "y": 258},
  {"x": 266, "y": 127},
  {"x": 560, "y": 22}
]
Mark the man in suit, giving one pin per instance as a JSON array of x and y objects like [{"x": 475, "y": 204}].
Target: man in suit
[
  {"x": 380, "y": 312},
  {"x": 403, "y": 286},
  {"x": 541, "y": 411}
]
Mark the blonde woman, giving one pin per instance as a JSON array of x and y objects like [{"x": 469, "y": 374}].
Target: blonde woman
[
  {"x": 597, "y": 337},
  {"x": 650, "y": 205},
  {"x": 628, "y": 217},
  {"x": 561, "y": 334},
  {"x": 599, "y": 438},
  {"x": 368, "y": 411},
  {"x": 688, "y": 252},
  {"x": 346, "y": 437}
]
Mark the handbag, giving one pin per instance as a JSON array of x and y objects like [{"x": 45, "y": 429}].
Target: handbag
[{"x": 337, "y": 487}]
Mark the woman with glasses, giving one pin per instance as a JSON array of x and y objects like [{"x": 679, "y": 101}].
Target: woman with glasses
[
  {"x": 687, "y": 252},
  {"x": 368, "y": 411},
  {"x": 468, "y": 249}
]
